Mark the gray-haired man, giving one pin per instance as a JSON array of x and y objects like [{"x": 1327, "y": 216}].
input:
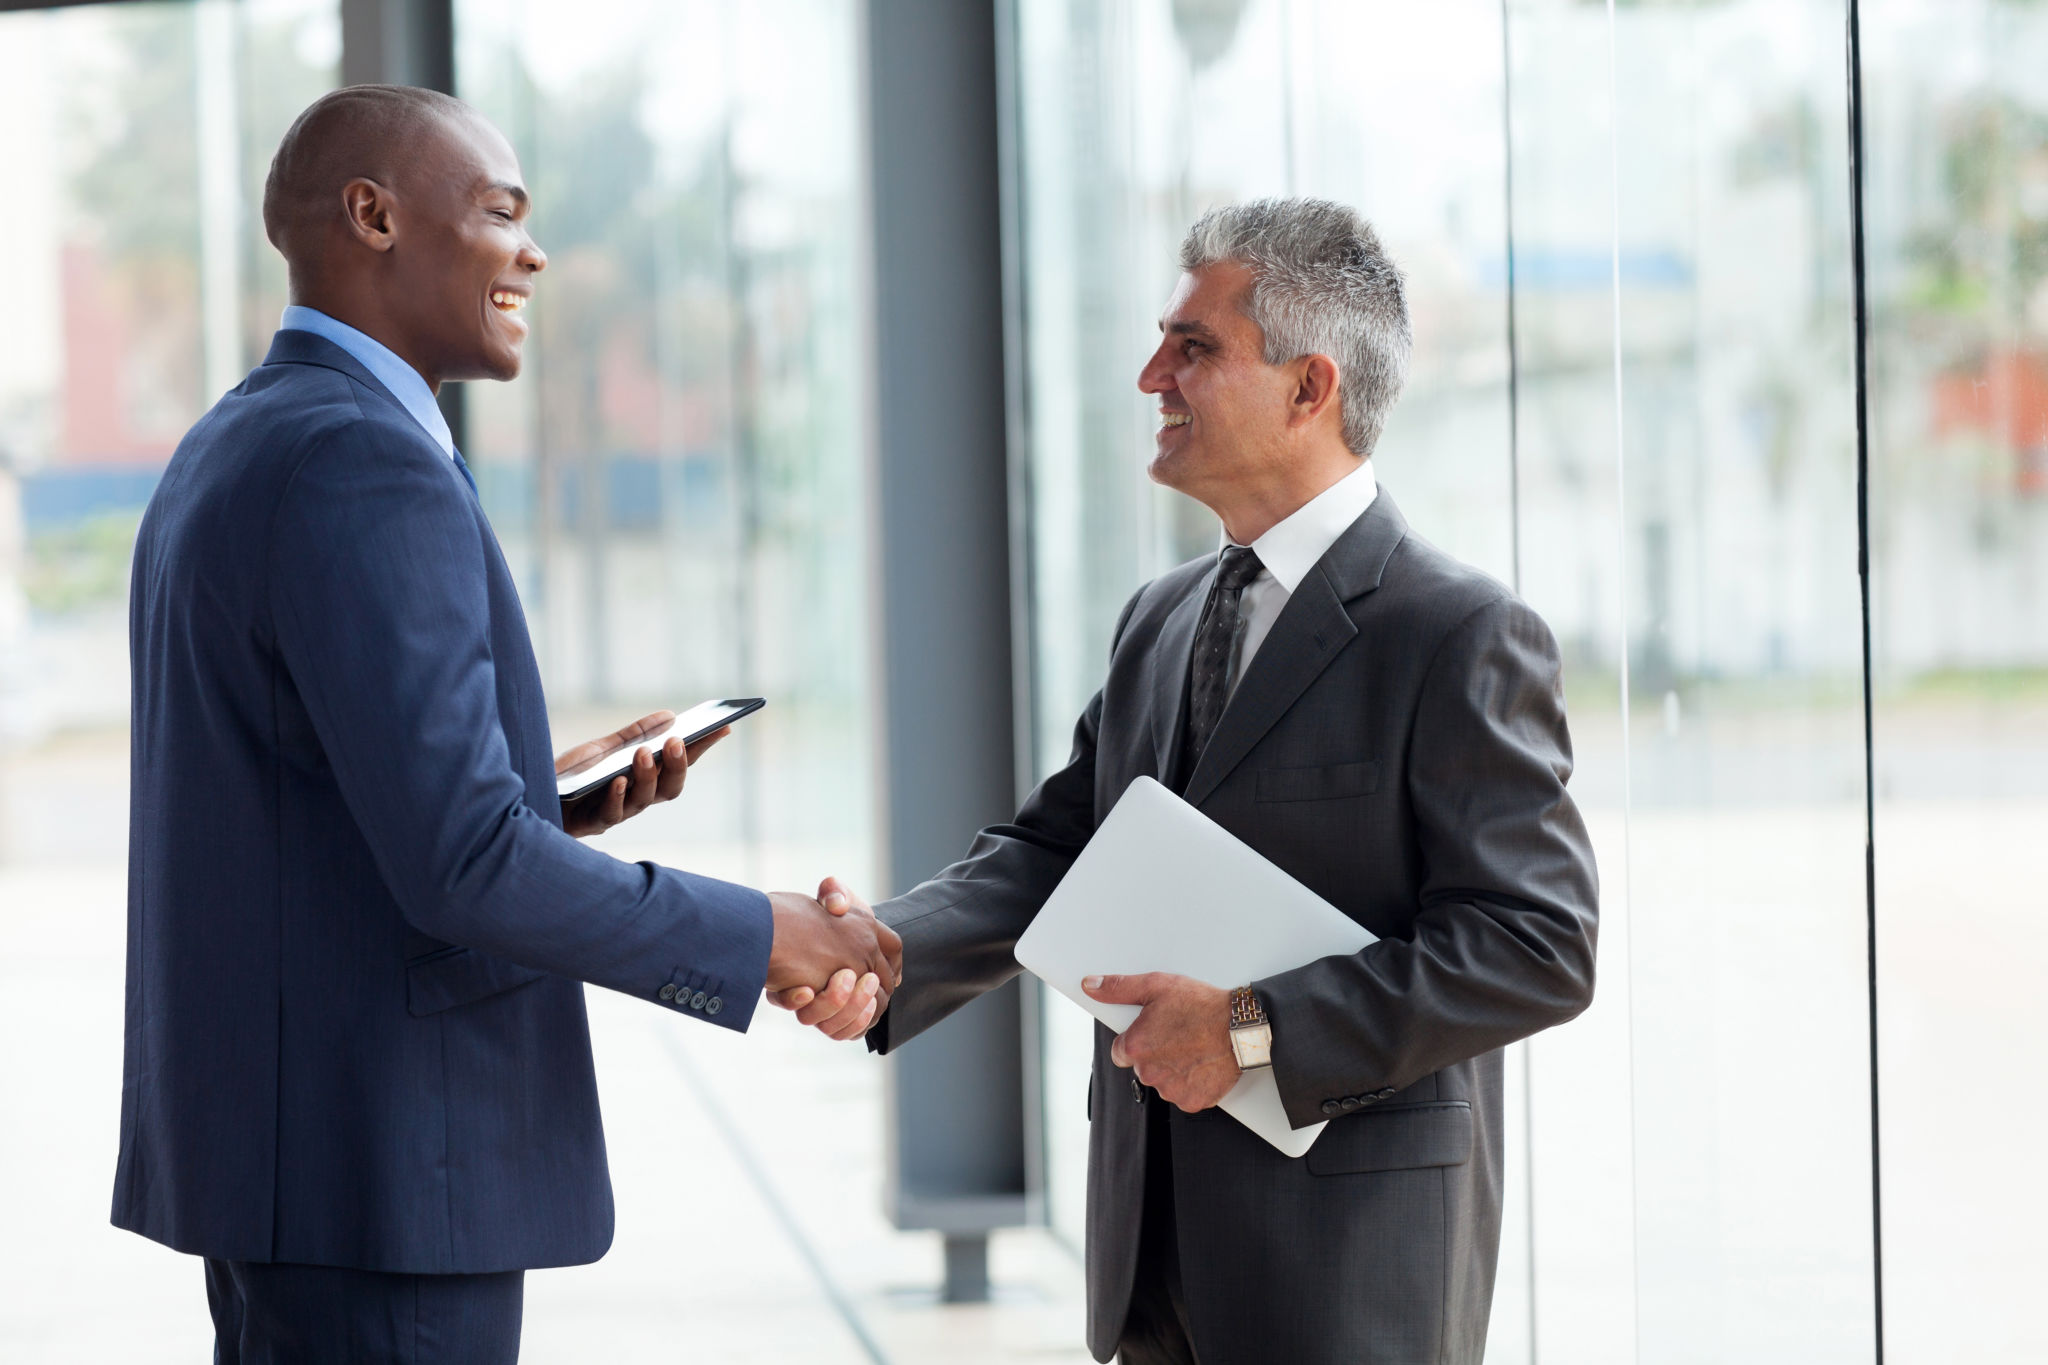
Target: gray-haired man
[{"x": 1388, "y": 726}]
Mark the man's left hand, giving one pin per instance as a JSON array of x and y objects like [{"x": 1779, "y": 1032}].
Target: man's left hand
[
  {"x": 1180, "y": 1042},
  {"x": 649, "y": 784}
]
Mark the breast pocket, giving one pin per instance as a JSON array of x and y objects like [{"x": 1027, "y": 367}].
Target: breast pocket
[{"x": 1329, "y": 783}]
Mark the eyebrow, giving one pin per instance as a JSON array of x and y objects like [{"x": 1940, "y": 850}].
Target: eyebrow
[
  {"x": 518, "y": 192},
  {"x": 1186, "y": 329}
]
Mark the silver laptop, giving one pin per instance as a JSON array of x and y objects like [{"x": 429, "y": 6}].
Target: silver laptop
[{"x": 1163, "y": 888}]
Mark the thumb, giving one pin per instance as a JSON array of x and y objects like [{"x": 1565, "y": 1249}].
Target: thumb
[
  {"x": 1120, "y": 990},
  {"x": 833, "y": 895}
]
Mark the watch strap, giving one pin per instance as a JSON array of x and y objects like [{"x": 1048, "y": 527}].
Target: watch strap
[{"x": 1245, "y": 1009}]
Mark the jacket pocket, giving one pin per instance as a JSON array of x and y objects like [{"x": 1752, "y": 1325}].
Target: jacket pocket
[
  {"x": 1395, "y": 1138},
  {"x": 1319, "y": 784},
  {"x": 459, "y": 976}
]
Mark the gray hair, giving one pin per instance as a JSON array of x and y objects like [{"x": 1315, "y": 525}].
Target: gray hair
[{"x": 1321, "y": 285}]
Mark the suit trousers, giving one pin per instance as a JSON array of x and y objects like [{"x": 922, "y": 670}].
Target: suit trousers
[
  {"x": 1156, "y": 1327},
  {"x": 268, "y": 1314}
]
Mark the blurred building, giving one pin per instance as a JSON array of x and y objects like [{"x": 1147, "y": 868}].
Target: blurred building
[{"x": 1805, "y": 607}]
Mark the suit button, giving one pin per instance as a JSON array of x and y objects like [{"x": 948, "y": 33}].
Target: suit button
[
  {"x": 668, "y": 992},
  {"x": 1386, "y": 1092},
  {"x": 713, "y": 1005},
  {"x": 697, "y": 1001},
  {"x": 1352, "y": 1102},
  {"x": 1332, "y": 1107},
  {"x": 1137, "y": 1091}
]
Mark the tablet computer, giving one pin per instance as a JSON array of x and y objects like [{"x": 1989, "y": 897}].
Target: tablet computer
[{"x": 693, "y": 724}]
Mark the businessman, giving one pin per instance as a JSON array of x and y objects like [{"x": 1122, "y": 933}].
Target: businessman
[
  {"x": 358, "y": 1076},
  {"x": 1383, "y": 723}
]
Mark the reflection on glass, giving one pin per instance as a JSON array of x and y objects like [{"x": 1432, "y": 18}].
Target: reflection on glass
[
  {"x": 674, "y": 473},
  {"x": 1957, "y": 139}
]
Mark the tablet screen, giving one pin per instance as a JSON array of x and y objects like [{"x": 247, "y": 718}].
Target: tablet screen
[{"x": 693, "y": 724}]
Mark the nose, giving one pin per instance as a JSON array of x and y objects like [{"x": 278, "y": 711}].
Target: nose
[
  {"x": 1157, "y": 375},
  {"x": 531, "y": 258}
]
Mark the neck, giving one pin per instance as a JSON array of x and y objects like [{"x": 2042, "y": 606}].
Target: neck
[
  {"x": 1249, "y": 509},
  {"x": 367, "y": 317}
]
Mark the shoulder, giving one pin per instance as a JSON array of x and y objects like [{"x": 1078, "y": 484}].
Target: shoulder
[
  {"x": 1150, "y": 605},
  {"x": 339, "y": 429},
  {"x": 1434, "y": 596}
]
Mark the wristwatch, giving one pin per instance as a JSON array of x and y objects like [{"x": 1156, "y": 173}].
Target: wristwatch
[{"x": 1251, "y": 1035}]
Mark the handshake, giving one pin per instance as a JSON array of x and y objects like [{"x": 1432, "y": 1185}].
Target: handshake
[{"x": 833, "y": 962}]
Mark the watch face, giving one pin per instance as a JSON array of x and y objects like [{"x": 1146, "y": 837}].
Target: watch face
[{"x": 1253, "y": 1045}]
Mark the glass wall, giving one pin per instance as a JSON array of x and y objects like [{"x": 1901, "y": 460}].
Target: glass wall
[
  {"x": 1957, "y": 138},
  {"x": 676, "y": 477},
  {"x": 1629, "y": 243},
  {"x": 140, "y": 289}
]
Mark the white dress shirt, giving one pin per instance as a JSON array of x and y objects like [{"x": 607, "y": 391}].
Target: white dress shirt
[{"x": 1288, "y": 551}]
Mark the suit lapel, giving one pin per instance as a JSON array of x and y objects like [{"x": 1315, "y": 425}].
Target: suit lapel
[
  {"x": 1169, "y": 681},
  {"x": 1311, "y": 630}
]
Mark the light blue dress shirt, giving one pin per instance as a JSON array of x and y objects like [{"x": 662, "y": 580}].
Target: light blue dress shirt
[{"x": 401, "y": 379}]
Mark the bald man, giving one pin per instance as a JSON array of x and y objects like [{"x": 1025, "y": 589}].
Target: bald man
[{"x": 358, "y": 1076}]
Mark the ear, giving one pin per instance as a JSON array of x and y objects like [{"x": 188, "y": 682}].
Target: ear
[
  {"x": 1315, "y": 390},
  {"x": 366, "y": 208}
]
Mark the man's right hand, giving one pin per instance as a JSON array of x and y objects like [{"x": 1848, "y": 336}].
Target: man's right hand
[{"x": 816, "y": 950}]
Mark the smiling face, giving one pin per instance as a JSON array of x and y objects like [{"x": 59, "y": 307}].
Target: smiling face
[
  {"x": 1223, "y": 411},
  {"x": 461, "y": 265}
]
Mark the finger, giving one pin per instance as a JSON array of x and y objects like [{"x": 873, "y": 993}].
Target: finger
[
  {"x": 1121, "y": 990},
  {"x": 863, "y": 1003},
  {"x": 646, "y": 778},
  {"x": 674, "y": 769},
  {"x": 614, "y": 808},
  {"x": 796, "y": 997},
  {"x": 647, "y": 724},
  {"x": 1117, "y": 1052},
  {"x": 837, "y": 995},
  {"x": 570, "y": 759},
  {"x": 834, "y": 896},
  {"x": 697, "y": 750},
  {"x": 861, "y": 1024}
]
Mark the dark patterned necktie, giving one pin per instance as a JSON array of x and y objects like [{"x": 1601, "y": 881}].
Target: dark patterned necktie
[{"x": 1209, "y": 669}]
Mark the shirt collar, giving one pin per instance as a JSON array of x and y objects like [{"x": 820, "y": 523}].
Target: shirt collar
[
  {"x": 1294, "y": 544},
  {"x": 401, "y": 379}
]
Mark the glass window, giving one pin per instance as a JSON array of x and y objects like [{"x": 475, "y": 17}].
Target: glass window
[
  {"x": 676, "y": 475},
  {"x": 140, "y": 288},
  {"x": 1956, "y": 132},
  {"x": 1134, "y": 118}
]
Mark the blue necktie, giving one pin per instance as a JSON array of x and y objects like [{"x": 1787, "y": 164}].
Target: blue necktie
[{"x": 467, "y": 477}]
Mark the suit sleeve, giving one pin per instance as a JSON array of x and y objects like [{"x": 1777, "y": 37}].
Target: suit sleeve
[
  {"x": 381, "y": 610},
  {"x": 960, "y": 929},
  {"x": 1504, "y": 939}
]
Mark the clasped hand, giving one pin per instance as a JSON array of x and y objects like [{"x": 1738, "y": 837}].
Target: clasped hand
[
  {"x": 1180, "y": 1042},
  {"x": 833, "y": 961}
]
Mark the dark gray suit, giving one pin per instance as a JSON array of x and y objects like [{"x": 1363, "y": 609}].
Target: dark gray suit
[{"x": 1398, "y": 744}]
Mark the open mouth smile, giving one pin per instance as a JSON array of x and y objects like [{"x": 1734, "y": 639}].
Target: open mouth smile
[{"x": 505, "y": 301}]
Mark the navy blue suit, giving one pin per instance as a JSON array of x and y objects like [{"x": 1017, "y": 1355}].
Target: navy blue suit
[{"x": 357, "y": 931}]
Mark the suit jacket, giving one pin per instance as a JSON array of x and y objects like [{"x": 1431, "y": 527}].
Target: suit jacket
[
  {"x": 356, "y": 928},
  {"x": 1397, "y": 744}
]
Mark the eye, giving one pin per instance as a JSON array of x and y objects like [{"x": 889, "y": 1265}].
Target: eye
[{"x": 504, "y": 214}]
